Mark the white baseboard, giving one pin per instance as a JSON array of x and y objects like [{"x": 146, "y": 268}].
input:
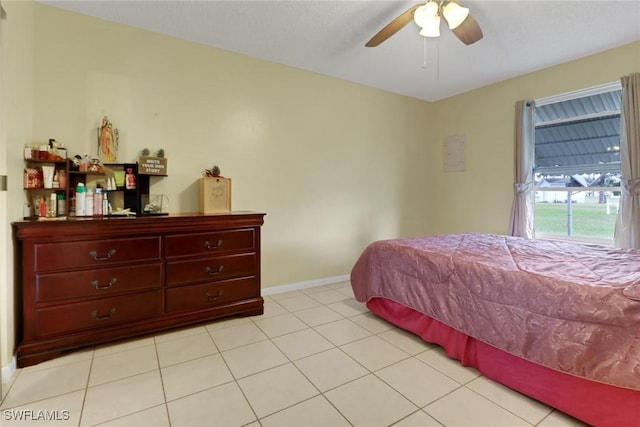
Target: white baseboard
[
  {"x": 272, "y": 290},
  {"x": 9, "y": 370}
]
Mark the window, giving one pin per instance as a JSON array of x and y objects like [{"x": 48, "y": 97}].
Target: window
[{"x": 577, "y": 164}]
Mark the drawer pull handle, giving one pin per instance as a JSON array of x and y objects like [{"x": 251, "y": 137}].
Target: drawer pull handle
[
  {"x": 209, "y": 246},
  {"x": 212, "y": 272},
  {"x": 214, "y": 297},
  {"x": 95, "y": 256},
  {"x": 96, "y": 284},
  {"x": 98, "y": 316}
]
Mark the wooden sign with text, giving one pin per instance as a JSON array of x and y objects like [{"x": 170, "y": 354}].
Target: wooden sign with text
[{"x": 153, "y": 166}]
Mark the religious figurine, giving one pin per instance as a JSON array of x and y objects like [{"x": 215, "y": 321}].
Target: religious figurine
[{"x": 107, "y": 142}]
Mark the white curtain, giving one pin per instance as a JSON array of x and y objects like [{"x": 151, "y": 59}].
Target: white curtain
[
  {"x": 522, "y": 213},
  {"x": 627, "y": 231}
]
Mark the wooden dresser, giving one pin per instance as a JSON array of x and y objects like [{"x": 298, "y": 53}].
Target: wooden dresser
[{"x": 82, "y": 282}]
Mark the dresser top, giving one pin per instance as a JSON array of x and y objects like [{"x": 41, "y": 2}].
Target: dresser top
[{"x": 144, "y": 224}]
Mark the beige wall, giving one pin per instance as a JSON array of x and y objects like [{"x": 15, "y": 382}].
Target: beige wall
[
  {"x": 17, "y": 92},
  {"x": 333, "y": 164},
  {"x": 479, "y": 199}
]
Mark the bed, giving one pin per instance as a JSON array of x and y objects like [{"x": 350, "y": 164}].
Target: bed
[{"x": 557, "y": 321}]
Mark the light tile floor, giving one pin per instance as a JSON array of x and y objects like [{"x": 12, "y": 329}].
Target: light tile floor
[{"x": 315, "y": 358}]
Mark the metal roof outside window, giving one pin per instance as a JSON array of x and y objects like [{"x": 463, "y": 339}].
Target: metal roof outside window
[{"x": 580, "y": 135}]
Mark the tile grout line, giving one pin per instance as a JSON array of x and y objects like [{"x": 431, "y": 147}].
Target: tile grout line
[
  {"x": 164, "y": 391},
  {"x": 86, "y": 387},
  {"x": 234, "y": 380},
  {"x": 290, "y": 361}
]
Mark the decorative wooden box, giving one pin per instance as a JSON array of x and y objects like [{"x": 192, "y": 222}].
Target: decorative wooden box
[{"x": 215, "y": 195}]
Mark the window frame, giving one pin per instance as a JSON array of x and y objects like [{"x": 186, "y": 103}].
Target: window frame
[{"x": 596, "y": 90}]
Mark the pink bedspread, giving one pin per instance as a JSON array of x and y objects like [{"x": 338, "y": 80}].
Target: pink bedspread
[{"x": 571, "y": 307}]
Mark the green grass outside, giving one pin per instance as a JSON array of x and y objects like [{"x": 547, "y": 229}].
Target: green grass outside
[{"x": 590, "y": 220}]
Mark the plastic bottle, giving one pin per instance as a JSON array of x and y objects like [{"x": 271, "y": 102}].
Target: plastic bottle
[
  {"x": 97, "y": 202},
  {"x": 81, "y": 200},
  {"x": 61, "y": 202},
  {"x": 42, "y": 207},
  {"x": 53, "y": 147},
  {"x": 52, "y": 210},
  {"x": 130, "y": 179},
  {"x": 62, "y": 179},
  {"x": 89, "y": 203},
  {"x": 72, "y": 203},
  {"x": 56, "y": 180}
]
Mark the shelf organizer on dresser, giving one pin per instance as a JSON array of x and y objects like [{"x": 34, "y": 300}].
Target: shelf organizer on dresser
[
  {"x": 83, "y": 282},
  {"x": 34, "y": 187}
]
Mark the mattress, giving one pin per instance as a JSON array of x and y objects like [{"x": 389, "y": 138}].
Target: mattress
[
  {"x": 570, "y": 307},
  {"x": 595, "y": 403}
]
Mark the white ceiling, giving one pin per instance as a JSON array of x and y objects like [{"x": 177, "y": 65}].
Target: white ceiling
[{"x": 328, "y": 37}]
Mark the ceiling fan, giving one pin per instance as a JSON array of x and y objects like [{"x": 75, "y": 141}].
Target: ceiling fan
[{"x": 427, "y": 15}]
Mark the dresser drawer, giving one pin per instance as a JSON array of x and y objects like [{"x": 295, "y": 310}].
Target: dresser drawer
[
  {"x": 98, "y": 313},
  {"x": 210, "y": 269},
  {"x": 97, "y": 282},
  {"x": 209, "y": 243},
  {"x": 211, "y": 294},
  {"x": 95, "y": 253}
]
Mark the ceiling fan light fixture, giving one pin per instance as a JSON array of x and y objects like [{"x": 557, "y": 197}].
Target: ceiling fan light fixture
[
  {"x": 425, "y": 13},
  {"x": 432, "y": 27},
  {"x": 454, "y": 14},
  {"x": 431, "y": 8},
  {"x": 419, "y": 16}
]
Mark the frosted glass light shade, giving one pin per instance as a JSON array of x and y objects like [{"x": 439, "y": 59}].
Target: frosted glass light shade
[
  {"x": 455, "y": 14},
  {"x": 431, "y": 8},
  {"x": 432, "y": 27},
  {"x": 424, "y": 13}
]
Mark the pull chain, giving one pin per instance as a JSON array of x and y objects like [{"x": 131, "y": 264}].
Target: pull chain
[
  {"x": 438, "y": 59},
  {"x": 424, "y": 56}
]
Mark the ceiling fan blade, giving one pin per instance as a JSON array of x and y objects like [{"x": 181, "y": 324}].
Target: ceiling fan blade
[
  {"x": 393, "y": 27},
  {"x": 469, "y": 31}
]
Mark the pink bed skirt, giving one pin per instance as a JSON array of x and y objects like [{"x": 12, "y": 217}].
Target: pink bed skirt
[{"x": 598, "y": 404}]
